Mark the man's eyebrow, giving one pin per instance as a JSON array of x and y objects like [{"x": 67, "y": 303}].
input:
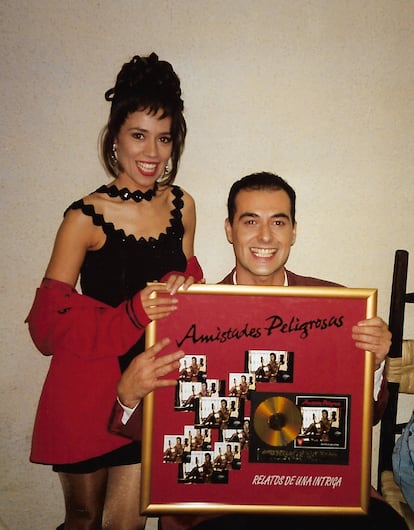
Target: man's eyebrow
[
  {"x": 274, "y": 216},
  {"x": 248, "y": 214},
  {"x": 283, "y": 215}
]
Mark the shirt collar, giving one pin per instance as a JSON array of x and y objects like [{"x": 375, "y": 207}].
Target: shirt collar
[{"x": 285, "y": 282}]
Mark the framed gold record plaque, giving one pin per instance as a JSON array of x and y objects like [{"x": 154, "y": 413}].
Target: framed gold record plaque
[{"x": 272, "y": 412}]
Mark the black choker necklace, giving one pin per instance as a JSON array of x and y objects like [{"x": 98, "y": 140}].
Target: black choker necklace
[{"x": 125, "y": 194}]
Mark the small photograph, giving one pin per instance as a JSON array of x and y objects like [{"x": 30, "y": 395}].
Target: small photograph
[
  {"x": 198, "y": 439},
  {"x": 270, "y": 366},
  {"x": 324, "y": 422},
  {"x": 207, "y": 442},
  {"x": 186, "y": 394},
  {"x": 186, "y": 449},
  {"x": 236, "y": 409},
  {"x": 215, "y": 387},
  {"x": 227, "y": 456},
  {"x": 219, "y": 412},
  {"x": 239, "y": 384},
  {"x": 173, "y": 449},
  {"x": 199, "y": 470},
  {"x": 239, "y": 436},
  {"x": 193, "y": 369}
]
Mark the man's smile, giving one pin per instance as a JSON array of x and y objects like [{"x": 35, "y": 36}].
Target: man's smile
[{"x": 263, "y": 252}]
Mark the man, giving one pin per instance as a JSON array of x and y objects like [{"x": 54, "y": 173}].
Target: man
[{"x": 261, "y": 226}]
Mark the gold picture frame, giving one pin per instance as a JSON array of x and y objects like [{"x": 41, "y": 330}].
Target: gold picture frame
[{"x": 279, "y": 342}]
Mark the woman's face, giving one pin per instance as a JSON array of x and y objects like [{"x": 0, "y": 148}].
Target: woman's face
[{"x": 143, "y": 146}]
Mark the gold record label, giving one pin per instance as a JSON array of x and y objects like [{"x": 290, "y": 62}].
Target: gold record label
[{"x": 277, "y": 421}]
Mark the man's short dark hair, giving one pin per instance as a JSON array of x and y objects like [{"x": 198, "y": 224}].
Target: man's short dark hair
[{"x": 260, "y": 181}]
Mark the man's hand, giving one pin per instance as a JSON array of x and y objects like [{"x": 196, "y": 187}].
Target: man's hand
[
  {"x": 373, "y": 335},
  {"x": 144, "y": 374}
]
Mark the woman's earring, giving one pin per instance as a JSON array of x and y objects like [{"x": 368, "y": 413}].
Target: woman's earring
[
  {"x": 165, "y": 173},
  {"x": 114, "y": 154}
]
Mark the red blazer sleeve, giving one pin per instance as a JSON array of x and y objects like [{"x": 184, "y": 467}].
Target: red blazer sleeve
[
  {"x": 382, "y": 399},
  {"x": 62, "y": 320},
  {"x": 132, "y": 428},
  {"x": 193, "y": 269}
]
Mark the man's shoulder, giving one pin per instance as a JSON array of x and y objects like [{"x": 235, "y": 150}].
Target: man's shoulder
[
  {"x": 228, "y": 280},
  {"x": 293, "y": 279},
  {"x": 305, "y": 281}
]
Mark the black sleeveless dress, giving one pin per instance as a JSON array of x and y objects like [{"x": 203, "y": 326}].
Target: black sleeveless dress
[{"x": 115, "y": 273}]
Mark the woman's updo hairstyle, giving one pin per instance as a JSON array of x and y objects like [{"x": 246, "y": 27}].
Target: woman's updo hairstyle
[{"x": 145, "y": 83}]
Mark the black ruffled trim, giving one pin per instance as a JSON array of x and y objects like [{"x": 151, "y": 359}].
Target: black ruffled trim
[{"x": 109, "y": 228}]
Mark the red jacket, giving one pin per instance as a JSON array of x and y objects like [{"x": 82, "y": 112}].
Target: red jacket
[{"x": 85, "y": 338}]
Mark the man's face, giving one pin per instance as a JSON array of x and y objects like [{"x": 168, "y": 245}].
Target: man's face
[{"x": 262, "y": 234}]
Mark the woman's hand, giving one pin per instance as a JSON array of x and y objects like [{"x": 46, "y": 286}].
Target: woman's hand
[
  {"x": 146, "y": 372},
  {"x": 175, "y": 281},
  {"x": 159, "y": 307},
  {"x": 162, "y": 306}
]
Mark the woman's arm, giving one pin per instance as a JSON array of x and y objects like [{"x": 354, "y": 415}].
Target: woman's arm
[
  {"x": 62, "y": 320},
  {"x": 76, "y": 235},
  {"x": 193, "y": 272},
  {"x": 189, "y": 223},
  {"x": 65, "y": 322}
]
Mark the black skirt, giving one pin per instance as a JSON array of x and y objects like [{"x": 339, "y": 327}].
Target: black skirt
[{"x": 125, "y": 455}]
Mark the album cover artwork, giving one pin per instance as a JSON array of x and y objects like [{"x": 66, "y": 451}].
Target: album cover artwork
[
  {"x": 219, "y": 412},
  {"x": 187, "y": 392},
  {"x": 232, "y": 421},
  {"x": 193, "y": 368},
  {"x": 198, "y": 469},
  {"x": 241, "y": 384},
  {"x": 198, "y": 439},
  {"x": 297, "y": 428},
  {"x": 270, "y": 366}
]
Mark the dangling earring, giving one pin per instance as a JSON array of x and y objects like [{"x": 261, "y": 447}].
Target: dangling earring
[
  {"x": 165, "y": 173},
  {"x": 114, "y": 155}
]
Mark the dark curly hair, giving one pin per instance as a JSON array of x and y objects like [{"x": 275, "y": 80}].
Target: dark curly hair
[{"x": 145, "y": 83}]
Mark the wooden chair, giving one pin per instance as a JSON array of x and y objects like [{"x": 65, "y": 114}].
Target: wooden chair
[{"x": 400, "y": 373}]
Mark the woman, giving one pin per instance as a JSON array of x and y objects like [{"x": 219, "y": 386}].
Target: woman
[{"x": 138, "y": 229}]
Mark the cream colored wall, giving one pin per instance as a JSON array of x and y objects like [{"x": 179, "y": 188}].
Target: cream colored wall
[{"x": 319, "y": 91}]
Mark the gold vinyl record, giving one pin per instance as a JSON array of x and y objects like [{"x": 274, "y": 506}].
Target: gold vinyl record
[{"x": 277, "y": 421}]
